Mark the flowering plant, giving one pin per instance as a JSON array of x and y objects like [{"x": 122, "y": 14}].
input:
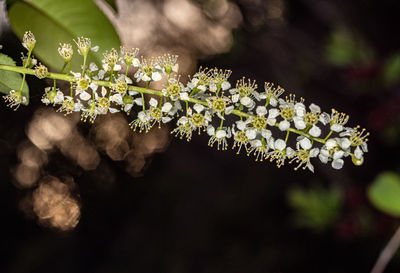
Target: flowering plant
[{"x": 262, "y": 123}]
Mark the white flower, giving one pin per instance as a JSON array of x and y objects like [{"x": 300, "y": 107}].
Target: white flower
[
  {"x": 272, "y": 93},
  {"x": 219, "y": 136},
  {"x": 304, "y": 153}
]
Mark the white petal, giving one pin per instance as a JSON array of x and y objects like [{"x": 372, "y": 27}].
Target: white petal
[
  {"x": 103, "y": 91},
  {"x": 241, "y": 125},
  {"x": 93, "y": 67},
  {"x": 338, "y": 155},
  {"x": 225, "y": 85},
  {"x": 284, "y": 125},
  {"x": 323, "y": 158},
  {"x": 117, "y": 67},
  {"x": 358, "y": 153},
  {"x": 101, "y": 74},
  {"x": 113, "y": 110},
  {"x": 145, "y": 78},
  {"x": 273, "y": 113},
  {"x": 315, "y": 131},
  {"x": 184, "y": 96},
  {"x": 344, "y": 143},
  {"x": 280, "y": 144},
  {"x": 256, "y": 143},
  {"x": 175, "y": 68},
  {"x": 273, "y": 101},
  {"x": 305, "y": 143},
  {"x": 85, "y": 96},
  {"x": 153, "y": 102},
  {"x": 289, "y": 152},
  {"x": 95, "y": 48},
  {"x": 324, "y": 118},
  {"x": 271, "y": 121},
  {"x": 299, "y": 123},
  {"x": 166, "y": 107},
  {"x": 138, "y": 101},
  {"x": 337, "y": 128},
  {"x": 235, "y": 98},
  {"x": 251, "y": 133},
  {"x": 213, "y": 87},
  {"x": 128, "y": 107},
  {"x": 330, "y": 143},
  {"x": 136, "y": 62},
  {"x": 220, "y": 134},
  {"x": 314, "y": 152},
  {"x": 266, "y": 134},
  {"x": 202, "y": 88},
  {"x": 315, "y": 108},
  {"x": 229, "y": 109},
  {"x": 93, "y": 86},
  {"x": 76, "y": 75},
  {"x": 210, "y": 130},
  {"x": 337, "y": 164},
  {"x": 128, "y": 80},
  {"x": 198, "y": 107},
  {"x": 166, "y": 119},
  {"x": 261, "y": 110},
  {"x": 300, "y": 109},
  {"x": 105, "y": 66},
  {"x": 246, "y": 101}
]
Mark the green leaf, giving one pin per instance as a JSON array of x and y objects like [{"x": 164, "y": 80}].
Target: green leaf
[
  {"x": 384, "y": 193},
  {"x": 344, "y": 49},
  {"x": 315, "y": 208},
  {"x": 391, "y": 69},
  {"x": 59, "y": 21},
  {"x": 11, "y": 80}
]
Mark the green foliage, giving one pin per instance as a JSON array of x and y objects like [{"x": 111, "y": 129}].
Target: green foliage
[
  {"x": 59, "y": 21},
  {"x": 384, "y": 193},
  {"x": 11, "y": 80},
  {"x": 316, "y": 208},
  {"x": 345, "y": 49},
  {"x": 391, "y": 69}
]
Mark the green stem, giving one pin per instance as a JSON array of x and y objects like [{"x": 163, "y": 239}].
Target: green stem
[
  {"x": 69, "y": 67},
  {"x": 330, "y": 133},
  {"x": 127, "y": 69},
  {"x": 84, "y": 65},
  {"x": 22, "y": 83},
  {"x": 287, "y": 136},
  {"x": 143, "y": 91},
  {"x": 63, "y": 67},
  {"x": 222, "y": 121},
  {"x": 28, "y": 59}
]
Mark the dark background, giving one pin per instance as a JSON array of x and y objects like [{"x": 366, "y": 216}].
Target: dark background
[{"x": 191, "y": 208}]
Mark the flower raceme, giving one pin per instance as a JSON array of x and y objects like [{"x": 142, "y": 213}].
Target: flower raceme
[{"x": 262, "y": 123}]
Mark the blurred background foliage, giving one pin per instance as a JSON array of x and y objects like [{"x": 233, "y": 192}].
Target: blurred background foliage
[{"x": 82, "y": 198}]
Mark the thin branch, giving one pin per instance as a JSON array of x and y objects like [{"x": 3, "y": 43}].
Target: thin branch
[{"x": 387, "y": 253}]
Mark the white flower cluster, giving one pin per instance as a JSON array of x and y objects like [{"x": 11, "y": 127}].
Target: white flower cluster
[{"x": 264, "y": 119}]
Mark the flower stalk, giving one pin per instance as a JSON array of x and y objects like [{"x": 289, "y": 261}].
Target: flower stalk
[{"x": 209, "y": 101}]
